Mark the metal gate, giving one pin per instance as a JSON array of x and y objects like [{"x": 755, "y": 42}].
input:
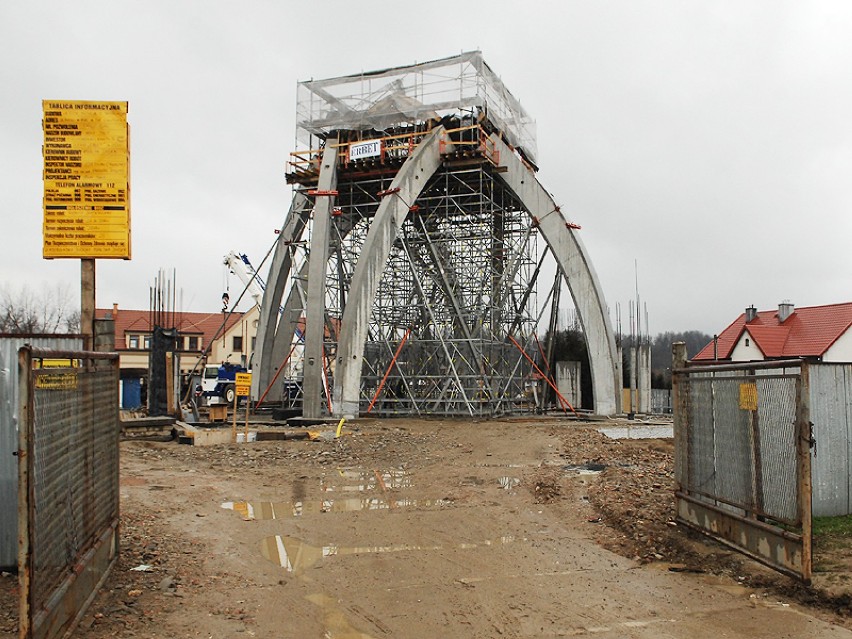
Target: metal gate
[
  {"x": 742, "y": 458},
  {"x": 68, "y": 495}
]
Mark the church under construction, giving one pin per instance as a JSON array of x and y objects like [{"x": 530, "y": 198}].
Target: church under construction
[{"x": 418, "y": 256}]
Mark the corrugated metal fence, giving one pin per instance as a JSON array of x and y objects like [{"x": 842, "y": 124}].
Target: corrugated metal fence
[
  {"x": 742, "y": 459},
  {"x": 68, "y": 484},
  {"x": 9, "y": 345},
  {"x": 661, "y": 401},
  {"x": 831, "y": 414}
]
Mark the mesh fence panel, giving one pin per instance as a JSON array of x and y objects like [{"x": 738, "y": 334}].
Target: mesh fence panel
[
  {"x": 741, "y": 448},
  {"x": 733, "y": 452},
  {"x": 75, "y": 469},
  {"x": 776, "y": 417}
]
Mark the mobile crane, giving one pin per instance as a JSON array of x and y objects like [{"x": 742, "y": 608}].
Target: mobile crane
[{"x": 218, "y": 382}]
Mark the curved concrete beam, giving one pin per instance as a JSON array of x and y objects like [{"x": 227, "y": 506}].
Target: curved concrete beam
[
  {"x": 565, "y": 244},
  {"x": 410, "y": 181},
  {"x": 579, "y": 273},
  {"x": 269, "y": 333},
  {"x": 313, "y": 367}
]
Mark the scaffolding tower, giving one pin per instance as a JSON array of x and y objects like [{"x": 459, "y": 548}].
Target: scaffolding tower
[{"x": 408, "y": 265}]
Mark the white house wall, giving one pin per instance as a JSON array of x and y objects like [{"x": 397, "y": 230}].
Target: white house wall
[
  {"x": 841, "y": 350},
  {"x": 743, "y": 353}
]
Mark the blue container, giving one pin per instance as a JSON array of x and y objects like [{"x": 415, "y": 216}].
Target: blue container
[{"x": 131, "y": 393}]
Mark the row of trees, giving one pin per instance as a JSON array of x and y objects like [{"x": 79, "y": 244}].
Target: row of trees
[{"x": 49, "y": 310}]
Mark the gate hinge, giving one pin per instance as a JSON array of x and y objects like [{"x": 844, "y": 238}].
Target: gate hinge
[{"x": 812, "y": 442}]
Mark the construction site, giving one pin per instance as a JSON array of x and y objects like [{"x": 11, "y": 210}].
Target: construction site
[
  {"x": 420, "y": 253},
  {"x": 387, "y": 444}
]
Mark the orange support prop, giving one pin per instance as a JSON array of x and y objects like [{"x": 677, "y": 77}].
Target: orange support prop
[
  {"x": 280, "y": 368},
  {"x": 546, "y": 378},
  {"x": 388, "y": 371},
  {"x": 325, "y": 381}
]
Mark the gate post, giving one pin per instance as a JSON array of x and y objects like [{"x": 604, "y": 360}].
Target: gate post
[
  {"x": 25, "y": 490},
  {"x": 804, "y": 440},
  {"x": 680, "y": 394}
]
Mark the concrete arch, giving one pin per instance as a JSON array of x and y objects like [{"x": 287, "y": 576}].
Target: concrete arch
[
  {"x": 563, "y": 241},
  {"x": 405, "y": 188},
  {"x": 272, "y": 330},
  {"x": 579, "y": 274}
]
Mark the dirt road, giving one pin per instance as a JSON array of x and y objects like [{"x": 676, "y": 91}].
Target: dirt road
[{"x": 414, "y": 529}]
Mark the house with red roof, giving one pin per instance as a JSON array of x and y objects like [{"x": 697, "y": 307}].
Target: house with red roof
[
  {"x": 818, "y": 332},
  {"x": 822, "y": 335}
]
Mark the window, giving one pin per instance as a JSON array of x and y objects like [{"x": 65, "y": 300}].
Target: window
[
  {"x": 238, "y": 343},
  {"x": 747, "y": 342},
  {"x": 147, "y": 344},
  {"x": 254, "y": 343},
  {"x": 133, "y": 342},
  {"x": 192, "y": 343}
]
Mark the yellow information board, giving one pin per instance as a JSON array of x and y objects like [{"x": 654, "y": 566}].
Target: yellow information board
[
  {"x": 748, "y": 396},
  {"x": 56, "y": 381},
  {"x": 86, "y": 179},
  {"x": 243, "y": 384}
]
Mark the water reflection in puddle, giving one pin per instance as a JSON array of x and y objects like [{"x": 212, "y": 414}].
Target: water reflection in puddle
[
  {"x": 295, "y": 556},
  {"x": 336, "y": 624},
  {"x": 586, "y": 469},
  {"x": 365, "y": 480},
  {"x": 282, "y": 510},
  {"x": 646, "y": 431},
  {"x": 508, "y": 483}
]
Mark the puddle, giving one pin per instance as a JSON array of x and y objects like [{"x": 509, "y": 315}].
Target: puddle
[
  {"x": 585, "y": 469},
  {"x": 365, "y": 480},
  {"x": 638, "y": 432},
  {"x": 507, "y": 483},
  {"x": 535, "y": 465},
  {"x": 295, "y": 556},
  {"x": 336, "y": 624},
  {"x": 282, "y": 510}
]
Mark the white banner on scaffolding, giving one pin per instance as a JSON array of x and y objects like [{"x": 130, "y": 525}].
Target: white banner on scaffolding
[{"x": 361, "y": 150}]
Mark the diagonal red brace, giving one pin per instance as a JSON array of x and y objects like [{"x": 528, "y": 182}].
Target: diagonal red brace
[{"x": 546, "y": 378}]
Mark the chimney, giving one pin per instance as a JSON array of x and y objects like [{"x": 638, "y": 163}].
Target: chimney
[
  {"x": 785, "y": 310},
  {"x": 750, "y": 314}
]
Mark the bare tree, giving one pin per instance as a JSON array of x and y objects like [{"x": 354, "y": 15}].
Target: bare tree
[{"x": 46, "y": 311}]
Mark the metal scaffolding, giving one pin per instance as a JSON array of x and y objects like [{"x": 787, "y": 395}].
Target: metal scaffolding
[{"x": 407, "y": 190}]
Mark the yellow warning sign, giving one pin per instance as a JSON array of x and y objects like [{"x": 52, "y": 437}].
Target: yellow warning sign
[
  {"x": 243, "y": 379},
  {"x": 242, "y": 391},
  {"x": 86, "y": 179},
  {"x": 56, "y": 363},
  {"x": 748, "y": 396},
  {"x": 56, "y": 381}
]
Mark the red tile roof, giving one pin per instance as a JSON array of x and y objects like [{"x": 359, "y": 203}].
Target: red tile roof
[
  {"x": 808, "y": 332},
  {"x": 132, "y": 321}
]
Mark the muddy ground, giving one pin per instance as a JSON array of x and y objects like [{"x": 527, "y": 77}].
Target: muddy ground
[{"x": 422, "y": 528}]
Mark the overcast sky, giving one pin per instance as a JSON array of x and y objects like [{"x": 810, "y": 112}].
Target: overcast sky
[{"x": 709, "y": 143}]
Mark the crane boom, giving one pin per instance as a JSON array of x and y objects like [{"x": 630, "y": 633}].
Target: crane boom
[{"x": 239, "y": 265}]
